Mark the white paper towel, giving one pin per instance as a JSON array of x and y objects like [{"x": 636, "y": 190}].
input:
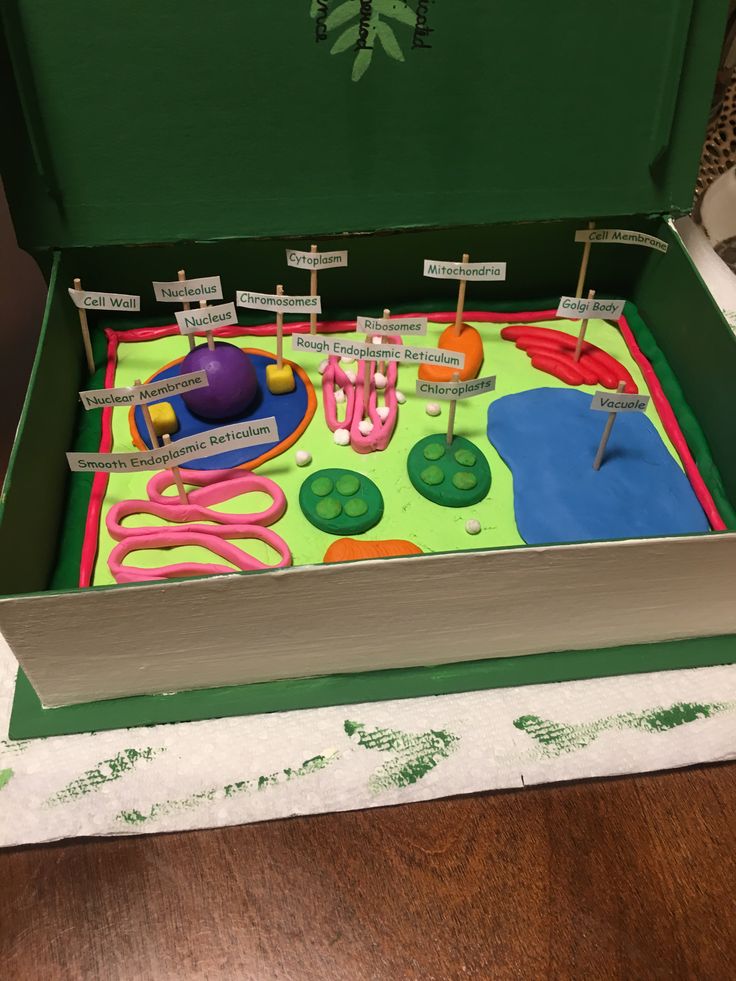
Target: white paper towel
[{"x": 234, "y": 771}]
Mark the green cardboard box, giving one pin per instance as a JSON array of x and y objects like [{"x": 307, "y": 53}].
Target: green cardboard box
[{"x": 150, "y": 137}]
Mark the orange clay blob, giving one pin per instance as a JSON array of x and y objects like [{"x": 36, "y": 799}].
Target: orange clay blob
[
  {"x": 351, "y": 549},
  {"x": 469, "y": 342}
]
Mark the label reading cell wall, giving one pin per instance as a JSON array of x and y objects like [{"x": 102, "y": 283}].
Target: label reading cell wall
[{"x": 88, "y": 300}]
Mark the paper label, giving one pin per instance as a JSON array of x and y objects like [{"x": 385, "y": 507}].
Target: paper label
[
  {"x": 572, "y": 308},
  {"x": 207, "y": 288},
  {"x": 181, "y": 452},
  {"x": 392, "y": 325},
  {"x": 619, "y": 402},
  {"x": 452, "y": 391},
  {"x": 102, "y": 397},
  {"x": 436, "y": 269},
  {"x": 279, "y": 304},
  {"x": 86, "y": 300},
  {"x": 206, "y": 318},
  {"x": 371, "y": 352},
  {"x": 620, "y": 236},
  {"x": 315, "y": 260}
]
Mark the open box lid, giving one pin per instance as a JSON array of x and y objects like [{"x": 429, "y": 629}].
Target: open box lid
[{"x": 151, "y": 122}]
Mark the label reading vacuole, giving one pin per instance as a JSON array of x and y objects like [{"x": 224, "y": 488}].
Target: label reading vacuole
[{"x": 619, "y": 402}]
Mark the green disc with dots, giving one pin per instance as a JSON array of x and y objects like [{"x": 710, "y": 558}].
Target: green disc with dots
[
  {"x": 454, "y": 476},
  {"x": 341, "y": 502}
]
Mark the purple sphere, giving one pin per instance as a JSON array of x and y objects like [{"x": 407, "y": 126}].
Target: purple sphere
[{"x": 232, "y": 381}]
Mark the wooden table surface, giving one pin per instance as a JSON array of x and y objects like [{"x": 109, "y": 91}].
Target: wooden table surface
[{"x": 625, "y": 878}]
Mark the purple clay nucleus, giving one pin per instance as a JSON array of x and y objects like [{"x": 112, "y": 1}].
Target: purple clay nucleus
[{"x": 233, "y": 384}]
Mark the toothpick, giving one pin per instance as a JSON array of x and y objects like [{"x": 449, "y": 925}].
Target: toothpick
[
  {"x": 583, "y": 328},
  {"x": 181, "y": 276},
  {"x": 460, "y": 301},
  {"x": 85, "y": 331},
  {"x": 453, "y": 405},
  {"x": 175, "y": 473},
  {"x": 383, "y": 367},
  {"x": 280, "y": 331},
  {"x": 208, "y": 333},
  {"x": 606, "y": 433},
  {"x": 313, "y": 292},
  {"x": 584, "y": 264},
  {"x": 148, "y": 421}
]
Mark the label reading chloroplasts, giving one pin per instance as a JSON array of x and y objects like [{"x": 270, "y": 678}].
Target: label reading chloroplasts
[{"x": 453, "y": 390}]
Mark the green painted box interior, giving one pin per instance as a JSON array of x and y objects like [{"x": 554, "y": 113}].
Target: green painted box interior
[{"x": 498, "y": 139}]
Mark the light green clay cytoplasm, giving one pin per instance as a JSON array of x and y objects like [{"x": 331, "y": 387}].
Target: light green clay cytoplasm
[
  {"x": 461, "y": 476},
  {"x": 347, "y": 485},
  {"x": 433, "y": 451},
  {"x": 355, "y": 503},
  {"x": 408, "y": 514}
]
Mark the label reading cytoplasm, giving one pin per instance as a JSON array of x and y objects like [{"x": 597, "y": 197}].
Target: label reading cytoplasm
[
  {"x": 574, "y": 308},
  {"x": 185, "y": 290},
  {"x": 315, "y": 260},
  {"x": 101, "y": 398},
  {"x": 392, "y": 325},
  {"x": 86, "y": 300},
  {"x": 206, "y": 318},
  {"x": 620, "y": 236},
  {"x": 452, "y": 391},
  {"x": 279, "y": 304},
  {"x": 386, "y": 352},
  {"x": 436, "y": 269},
  {"x": 182, "y": 451},
  {"x": 619, "y": 402}
]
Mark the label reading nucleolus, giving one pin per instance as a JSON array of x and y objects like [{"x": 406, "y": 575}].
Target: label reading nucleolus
[{"x": 185, "y": 290}]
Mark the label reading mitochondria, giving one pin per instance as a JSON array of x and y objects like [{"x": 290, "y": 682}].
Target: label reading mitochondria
[
  {"x": 86, "y": 300},
  {"x": 279, "y": 304},
  {"x": 619, "y": 402},
  {"x": 315, "y": 260},
  {"x": 387, "y": 352},
  {"x": 206, "y": 318},
  {"x": 101, "y": 398},
  {"x": 620, "y": 236},
  {"x": 465, "y": 270},
  {"x": 392, "y": 325},
  {"x": 182, "y": 451},
  {"x": 574, "y": 308},
  {"x": 452, "y": 391},
  {"x": 185, "y": 290}
]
